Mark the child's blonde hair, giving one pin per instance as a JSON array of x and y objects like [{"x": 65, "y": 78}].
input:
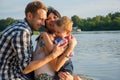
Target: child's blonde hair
[{"x": 65, "y": 23}]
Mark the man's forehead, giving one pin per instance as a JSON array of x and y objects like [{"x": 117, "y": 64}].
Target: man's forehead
[{"x": 42, "y": 13}]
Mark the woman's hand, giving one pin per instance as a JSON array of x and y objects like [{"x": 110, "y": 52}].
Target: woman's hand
[
  {"x": 58, "y": 50},
  {"x": 72, "y": 41}
]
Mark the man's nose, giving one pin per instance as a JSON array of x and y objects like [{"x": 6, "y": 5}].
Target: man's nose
[{"x": 43, "y": 23}]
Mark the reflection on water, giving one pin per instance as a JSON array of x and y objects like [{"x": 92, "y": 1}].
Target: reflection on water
[{"x": 97, "y": 55}]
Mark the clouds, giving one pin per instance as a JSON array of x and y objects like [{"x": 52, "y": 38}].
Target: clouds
[
  {"x": 82, "y": 8},
  {"x": 85, "y": 8},
  {"x": 13, "y": 8},
  {"x": 93, "y": 8},
  {"x": 100, "y": 7}
]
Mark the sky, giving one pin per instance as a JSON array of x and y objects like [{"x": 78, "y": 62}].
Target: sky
[{"x": 82, "y": 8}]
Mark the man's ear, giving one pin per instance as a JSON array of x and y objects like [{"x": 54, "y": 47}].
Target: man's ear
[{"x": 29, "y": 16}]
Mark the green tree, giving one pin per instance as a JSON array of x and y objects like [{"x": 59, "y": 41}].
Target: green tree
[
  {"x": 75, "y": 20},
  {"x": 116, "y": 23},
  {"x": 5, "y": 22}
]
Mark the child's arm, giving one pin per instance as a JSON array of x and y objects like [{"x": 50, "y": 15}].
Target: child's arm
[{"x": 60, "y": 61}]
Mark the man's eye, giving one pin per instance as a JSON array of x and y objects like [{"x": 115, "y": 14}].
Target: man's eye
[{"x": 42, "y": 19}]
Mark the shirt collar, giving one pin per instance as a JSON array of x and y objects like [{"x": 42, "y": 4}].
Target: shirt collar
[{"x": 29, "y": 27}]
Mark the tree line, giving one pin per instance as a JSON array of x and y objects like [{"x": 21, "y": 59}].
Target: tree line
[
  {"x": 5, "y": 22},
  {"x": 97, "y": 23}
]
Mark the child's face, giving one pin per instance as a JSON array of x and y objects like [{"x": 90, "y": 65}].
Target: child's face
[{"x": 59, "y": 32}]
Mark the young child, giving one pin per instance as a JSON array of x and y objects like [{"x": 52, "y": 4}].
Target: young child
[{"x": 63, "y": 28}]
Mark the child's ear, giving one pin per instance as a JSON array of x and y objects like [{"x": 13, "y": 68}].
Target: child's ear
[{"x": 68, "y": 32}]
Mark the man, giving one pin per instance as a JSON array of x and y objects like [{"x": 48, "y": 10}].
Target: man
[{"x": 16, "y": 44}]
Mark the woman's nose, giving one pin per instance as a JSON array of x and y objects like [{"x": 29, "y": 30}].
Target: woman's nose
[{"x": 52, "y": 19}]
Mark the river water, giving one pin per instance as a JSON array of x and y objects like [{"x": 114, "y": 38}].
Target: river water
[{"x": 97, "y": 54}]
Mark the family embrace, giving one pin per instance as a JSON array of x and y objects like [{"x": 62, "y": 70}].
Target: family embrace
[{"x": 51, "y": 59}]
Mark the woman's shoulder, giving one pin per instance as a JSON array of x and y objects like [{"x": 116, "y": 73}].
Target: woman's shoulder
[{"x": 38, "y": 38}]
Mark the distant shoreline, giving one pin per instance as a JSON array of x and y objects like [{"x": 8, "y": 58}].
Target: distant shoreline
[{"x": 84, "y": 32}]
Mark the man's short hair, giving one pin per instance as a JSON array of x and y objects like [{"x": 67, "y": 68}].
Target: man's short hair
[{"x": 34, "y": 6}]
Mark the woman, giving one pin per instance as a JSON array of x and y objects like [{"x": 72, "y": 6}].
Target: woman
[{"x": 67, "y": 70}]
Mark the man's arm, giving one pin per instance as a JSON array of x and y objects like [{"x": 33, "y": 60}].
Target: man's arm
[
  {"x": 22, "y": 45},
  {"x": 33, "y": 65}
]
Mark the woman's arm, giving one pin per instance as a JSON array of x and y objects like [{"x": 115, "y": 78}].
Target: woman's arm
[{"x": 60, "y": 61}]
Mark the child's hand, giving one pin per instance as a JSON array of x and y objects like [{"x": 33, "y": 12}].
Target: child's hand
[{"x": 65, "y": 76}]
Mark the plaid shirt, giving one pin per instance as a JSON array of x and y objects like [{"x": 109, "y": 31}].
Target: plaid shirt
[{"x": 15, "y": 51}]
